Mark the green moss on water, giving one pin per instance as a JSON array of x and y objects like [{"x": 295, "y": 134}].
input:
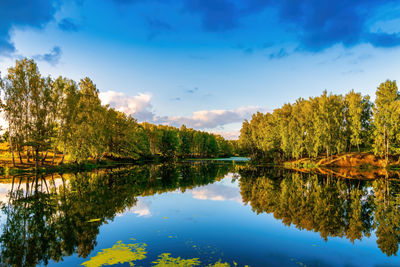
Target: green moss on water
[
  {"x": 166, "y": 260},
  {"x": 121, "y": 253},
  {"x": 220, "y": 264},
  {"x": 118, "y": 254}
]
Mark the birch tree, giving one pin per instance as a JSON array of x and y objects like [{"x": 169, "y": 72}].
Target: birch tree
[{"x": 386, "y": 118}]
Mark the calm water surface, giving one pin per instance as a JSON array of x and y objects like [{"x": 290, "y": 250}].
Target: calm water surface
[{"x": 200, "y": 213}]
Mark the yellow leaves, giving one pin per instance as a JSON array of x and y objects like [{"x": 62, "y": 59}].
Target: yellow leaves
[{"x": 118, "y": 254}]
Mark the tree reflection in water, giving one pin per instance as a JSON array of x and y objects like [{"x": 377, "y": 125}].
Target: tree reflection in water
[
  {"x": 46, "y": 221},
  {"x": 331, "y": 206},
  {"x": 49, "y": 218}
]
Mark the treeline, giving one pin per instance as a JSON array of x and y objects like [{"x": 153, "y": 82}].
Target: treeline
[
  {"x": 63, "y": 116},
  {"x": 326, "y": 125},
  {"x": 185, "y": 142}
]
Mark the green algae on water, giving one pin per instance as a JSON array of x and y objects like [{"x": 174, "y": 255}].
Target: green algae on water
[
  {"x": 166, "y": 260},
  {"x": 118, "y": 254}
]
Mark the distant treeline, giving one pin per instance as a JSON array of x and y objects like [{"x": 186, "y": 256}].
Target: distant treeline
[
  {"x": 326, "y": 125},
  {"x": 63, "y": 116}
]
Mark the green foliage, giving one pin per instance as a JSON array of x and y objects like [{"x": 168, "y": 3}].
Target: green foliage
[
  {"x": 126, "y": 138},
  {"x": 386, "y": 119},
  {"x": 358, "y": 118},
  {"x": 28, "y": 107},
  {"x": 171, "y": 142},
  {"x": 58, "y": 114},
  {"x": 325, "y": 125},
  {"x": 89, "y": 128}
]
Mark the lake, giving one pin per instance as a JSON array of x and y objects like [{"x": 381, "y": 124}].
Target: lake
[{"x": 199, "y": 213}]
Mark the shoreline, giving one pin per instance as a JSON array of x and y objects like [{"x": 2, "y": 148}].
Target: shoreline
[
  {"x": 92, "y": 165},
  {"x": 362, "y": 160},
  {"x": 365, "y": 165}
]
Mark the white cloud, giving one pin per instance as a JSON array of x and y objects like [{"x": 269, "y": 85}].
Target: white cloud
[
  {"x": 138, "y": 106},
  {"x": 229, "y": 135},
  {"x": 209, "y": 119}
]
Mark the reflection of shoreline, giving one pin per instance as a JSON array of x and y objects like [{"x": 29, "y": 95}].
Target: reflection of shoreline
[
  {"x": 353, "y": 173},
  {"x": 6, "y": 188},
  {"x": 333, "y": 207},
  {"x": 54, "y": 216}
]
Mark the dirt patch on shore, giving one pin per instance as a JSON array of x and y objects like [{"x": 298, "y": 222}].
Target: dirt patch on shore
[
  {"x": 354, "y": 160},
  {"x": 363, "y": 160},
  {"x": 351, "y": 166}
]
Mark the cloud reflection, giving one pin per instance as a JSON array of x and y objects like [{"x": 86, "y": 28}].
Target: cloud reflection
[
  {"x": 225, "y": 190},
  {"x": 142, "y": 208}
]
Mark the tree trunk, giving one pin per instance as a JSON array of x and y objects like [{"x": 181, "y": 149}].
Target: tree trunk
[
  {"x": 37, "y": 158},
  {"x": 44, "y": 158},
  {"x": 12, "y": 151},
  {"x": 387, "y": 150},
  {"x": 54, "y": 156},
  {"x": 28, "y": 154},
  {"x": 19, "y": 154},
  {"x": 62, "y": 160},
  {"x": 45, "y": 183},
  {"x": 385, "y": 140}
]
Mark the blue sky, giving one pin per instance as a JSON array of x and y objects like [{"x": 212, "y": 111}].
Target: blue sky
[{"x": 206, "y": 63}]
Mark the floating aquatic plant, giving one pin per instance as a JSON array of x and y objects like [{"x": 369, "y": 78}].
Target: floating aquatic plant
[
  {"x": 118, "y": 254},
  {"x": 166, "y": 260},
  {"x": 220, "y": 264},
  {"x": 128, "y": 253}
]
